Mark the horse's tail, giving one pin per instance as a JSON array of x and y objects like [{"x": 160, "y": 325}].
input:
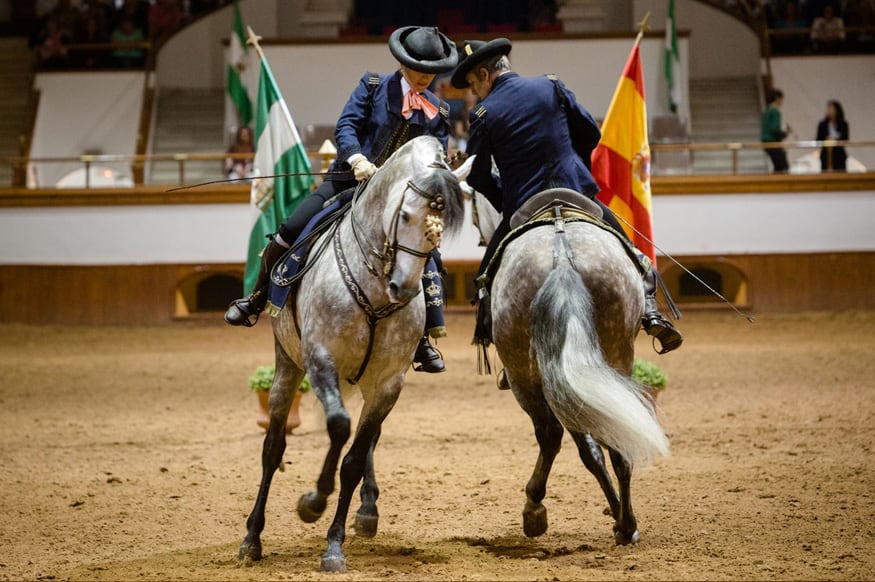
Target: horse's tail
[{"x": 584, "y": 392}]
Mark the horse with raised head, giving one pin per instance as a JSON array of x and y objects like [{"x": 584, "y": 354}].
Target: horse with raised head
[
  {"x": 566, "y": 305},
  {"x": 355, "y": 321}
]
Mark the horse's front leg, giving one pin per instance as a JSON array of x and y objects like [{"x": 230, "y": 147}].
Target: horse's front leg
[
  {"x": 626, "y": 526},
  {"x": 367, "y": 517},
  {"x": 594, "y": 460},
  {"x": 323, "y": 377},
  {"x": 285, "y": 383},
  {"x": 374, "y": 412}
]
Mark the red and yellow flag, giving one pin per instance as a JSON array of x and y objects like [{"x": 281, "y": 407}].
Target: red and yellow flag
[{"x": 621, "y": 161}]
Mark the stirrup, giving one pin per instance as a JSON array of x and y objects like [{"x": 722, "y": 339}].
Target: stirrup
[
  {"x": 663, "y": 332},
  {"x": 429, "y": 358},
  {"x": 235, "y": 310}
]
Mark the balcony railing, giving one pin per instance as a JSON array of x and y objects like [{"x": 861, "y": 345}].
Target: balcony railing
[{"x": 96, "y": 168}]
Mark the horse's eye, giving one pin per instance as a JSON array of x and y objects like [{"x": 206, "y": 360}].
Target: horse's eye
[{"x": 404, "y": 216}]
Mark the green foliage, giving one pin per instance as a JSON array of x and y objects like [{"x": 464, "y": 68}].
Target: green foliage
[
  {"x": 262, "y": 379},
  {"x": 648, "y": 374}
]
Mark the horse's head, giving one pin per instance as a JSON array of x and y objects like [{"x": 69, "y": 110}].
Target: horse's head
[{"x": 423, "y": 202}]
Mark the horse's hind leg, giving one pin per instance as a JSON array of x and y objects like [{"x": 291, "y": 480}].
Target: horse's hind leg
[
  {"x": 548, "y": 432},
  {"x": 287, "y": 376},
  {"x": 323, "y": 376},
  {"x": 367, "y": 517},
  {"x": 626, "y": 526},
  {"x": 594, "y": 460}
]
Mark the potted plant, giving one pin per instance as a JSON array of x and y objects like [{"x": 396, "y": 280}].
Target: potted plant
[
  {"x": 260, "y": 382},
  {"x": 650, "y": 376}
]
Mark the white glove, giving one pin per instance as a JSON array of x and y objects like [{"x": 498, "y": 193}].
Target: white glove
[{"x": 362, "y": 168}]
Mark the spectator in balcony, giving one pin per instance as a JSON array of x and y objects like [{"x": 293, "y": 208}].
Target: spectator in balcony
[
  {"x": 827, "y": 31},
  {"x": 51, "y": 46},
  {"x": 237, "y": 167},
  {"x": 791, "y": 28},
  {"x": 165, "y": 17},
  {"x": 833, "y": 126},
  {"x": 773, "y": 131},
  {"x": 93, "y": 33},
  {"x": 128, "y": 38},
  {"x": 137, "y": 11}
]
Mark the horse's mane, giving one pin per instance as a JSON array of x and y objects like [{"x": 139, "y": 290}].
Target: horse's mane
[{"x": 431, "y": 179}]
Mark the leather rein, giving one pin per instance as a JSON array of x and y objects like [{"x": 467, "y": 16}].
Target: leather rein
[{"x": 387, "y": 255}]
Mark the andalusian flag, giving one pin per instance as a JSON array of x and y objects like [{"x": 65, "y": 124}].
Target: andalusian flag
[
  {"x": 621, "y": 161},
  {"x": 672, "y": 62},
  {"x": 278, "y": 150},
  {"x": 238, "y": 63}
]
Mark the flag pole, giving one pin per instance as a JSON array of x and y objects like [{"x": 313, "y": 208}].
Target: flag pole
[
  {"x": 253, "y": 39},
  {"x": 643, "y": 27}
]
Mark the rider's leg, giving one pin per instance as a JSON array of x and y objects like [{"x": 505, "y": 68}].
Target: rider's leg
[
  {"x": 427, "y": 358},
  {"x": 245, "y": 311},
  {"x": 483, "y": 327},
  {"x": 655, "y": 324}
]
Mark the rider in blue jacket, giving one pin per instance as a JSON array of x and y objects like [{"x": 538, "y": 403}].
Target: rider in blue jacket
[
  {"x": 383, "y": 113},
  {"x": 539, "y": 137}
]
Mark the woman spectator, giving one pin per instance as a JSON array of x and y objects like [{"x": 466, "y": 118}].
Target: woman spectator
[
  {"x": 237, "y": 167},
  {"x": 165, "y": 16},
  {"x": 834, "y": 127},
  {"x": 51, "y": 47},
  {"x": 127, "y": 38}
]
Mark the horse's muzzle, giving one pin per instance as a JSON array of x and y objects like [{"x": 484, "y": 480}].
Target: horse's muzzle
[{"x": 401, "y": 294}]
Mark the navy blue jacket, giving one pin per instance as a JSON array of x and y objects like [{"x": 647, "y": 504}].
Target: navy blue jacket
[
  {"x": 539, "y": 137},
  {"x": 372, "y": 123}
]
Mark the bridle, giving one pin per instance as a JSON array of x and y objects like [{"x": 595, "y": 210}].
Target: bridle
[{"x": 391, "y": 246}]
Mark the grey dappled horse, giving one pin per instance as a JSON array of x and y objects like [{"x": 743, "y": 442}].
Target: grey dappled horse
[
  {"x": 356, "y": 320},
  {"x": 564, "y": 326}
]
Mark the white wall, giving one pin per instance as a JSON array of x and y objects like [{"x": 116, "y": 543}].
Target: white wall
[
  {"x": 81, "y": 112},
  {"x": 218, "y": 233},
  {"x": 720, "y": 45},
  {"x": 809, "y": 82}
]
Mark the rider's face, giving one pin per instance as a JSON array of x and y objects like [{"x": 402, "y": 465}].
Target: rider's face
[
  {"x": 419, "y": 82},
  {"x": 480, "y": 81}
]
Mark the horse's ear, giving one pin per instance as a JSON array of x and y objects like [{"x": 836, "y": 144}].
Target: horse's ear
[{"x": 462, "y": 171}]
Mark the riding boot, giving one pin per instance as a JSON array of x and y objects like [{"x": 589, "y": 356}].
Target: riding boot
[
  {"x": 245, "y": 311},
  {"x": 655, "y": 324},
  {"x": 427, "y": 358}
]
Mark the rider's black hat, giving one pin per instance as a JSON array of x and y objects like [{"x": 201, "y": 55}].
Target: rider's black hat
[
  {"x": 474, "y": 52},
  {"x": 423, "y": 49}
]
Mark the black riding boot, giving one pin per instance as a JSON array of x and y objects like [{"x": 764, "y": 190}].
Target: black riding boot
[
  {"x": 654, "y": 323},
  {"x": 246, "y": 311},
  {"x": 427, "y": 358}
]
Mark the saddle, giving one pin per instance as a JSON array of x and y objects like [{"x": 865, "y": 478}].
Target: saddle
[
  {"x": 295, "y": 262},
  {"x": 538, "y": 211}
]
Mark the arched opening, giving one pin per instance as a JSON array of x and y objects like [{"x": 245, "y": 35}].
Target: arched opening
[
  {"x": 689, "y": 288},
  {"x": 207, "y": 291}
]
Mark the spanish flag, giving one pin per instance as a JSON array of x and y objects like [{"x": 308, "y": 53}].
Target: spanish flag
[{"x": 621, "y": 161}]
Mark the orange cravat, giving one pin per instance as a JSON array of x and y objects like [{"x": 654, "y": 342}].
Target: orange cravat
[{"x": 413, "y": 100}]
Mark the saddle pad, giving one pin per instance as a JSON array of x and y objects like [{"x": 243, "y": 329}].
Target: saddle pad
[{"x": 283, "y": 274}]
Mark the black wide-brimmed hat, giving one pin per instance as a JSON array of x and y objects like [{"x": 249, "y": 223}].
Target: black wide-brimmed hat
[
  {"x": 473, "y": 53},
  {"x": 423, "y": 49}
]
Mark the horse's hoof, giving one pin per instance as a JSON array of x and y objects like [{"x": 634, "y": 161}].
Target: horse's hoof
[
  {"x": 366, "y": 525},
  {"x": 310, "y": 507},
  {"x": 624, "y": 540},
  {"x": 333, "y": 563},
  {"x": 249, "y": 553},
  {"x": 534, "y": 519}
]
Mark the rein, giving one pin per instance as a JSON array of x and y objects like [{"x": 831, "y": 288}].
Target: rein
[{"x": 391, "y": 247}]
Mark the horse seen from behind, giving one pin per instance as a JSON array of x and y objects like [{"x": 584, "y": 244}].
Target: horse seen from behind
[{"x": 354, "y": 321}]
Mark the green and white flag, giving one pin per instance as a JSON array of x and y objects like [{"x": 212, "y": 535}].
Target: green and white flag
[
  {"x": 673, "y": 71},
  {"x": 238, "y": 63},
  {"x": 278, "y": 150}
]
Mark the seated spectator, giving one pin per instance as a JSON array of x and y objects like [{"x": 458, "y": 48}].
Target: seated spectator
[
  {"x": 791, "y": 20},
  {"x": 93, "y": 34},
  {"x": 239, "y": 167},
  {"x": 51, "y": 46},
  {"x": 127, "y": 39},
  {"x": 827, "y": 31},
  {"x": 137, "y": 11}
]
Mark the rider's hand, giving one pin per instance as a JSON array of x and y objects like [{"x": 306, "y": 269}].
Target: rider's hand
[{"x": 362, "y": 168}]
